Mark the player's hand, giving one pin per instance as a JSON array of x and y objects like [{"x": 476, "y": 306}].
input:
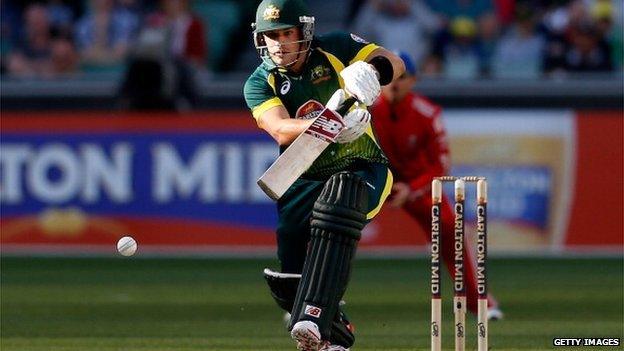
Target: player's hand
[
  {"x": 336, "y": 99},
  {"x": 360, "y": 79},
  {"x": 356, "y": 123},
  {"x": 400, "y": 194}
]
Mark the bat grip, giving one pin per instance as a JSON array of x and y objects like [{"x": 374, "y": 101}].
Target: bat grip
[{"x": 345, "y": 105}]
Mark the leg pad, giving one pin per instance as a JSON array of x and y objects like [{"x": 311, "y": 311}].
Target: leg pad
[{"x": 337, "y": 220}]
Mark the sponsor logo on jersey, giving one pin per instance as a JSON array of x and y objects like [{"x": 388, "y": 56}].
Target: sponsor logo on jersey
[
  {"x": 313, "y": 311},
  {"x": 271, "y": 13},
  {"x": 320, "y": 74},
  {"x": 285, "y": 88},
  {"x": 358, "y": 39}
]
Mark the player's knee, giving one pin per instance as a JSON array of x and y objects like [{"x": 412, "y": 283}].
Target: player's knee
[{"x": 341, "y": 207}]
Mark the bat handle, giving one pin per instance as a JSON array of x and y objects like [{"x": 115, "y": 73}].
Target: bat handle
[{"x": 345, "y": 105}]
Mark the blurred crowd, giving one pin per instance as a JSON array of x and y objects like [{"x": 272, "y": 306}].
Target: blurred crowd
[
  {"x": 59, "y": 38},
  {"x": 467, "y": 39},
  {"x": 458, "y": 39}
]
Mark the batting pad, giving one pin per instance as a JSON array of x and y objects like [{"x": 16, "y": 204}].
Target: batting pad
[{"x": 337, "y": 220}]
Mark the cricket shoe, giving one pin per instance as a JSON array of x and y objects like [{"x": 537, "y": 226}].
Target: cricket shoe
[
  {"x": 495, "y": 314},
  {"x": 308, "y": 336}
]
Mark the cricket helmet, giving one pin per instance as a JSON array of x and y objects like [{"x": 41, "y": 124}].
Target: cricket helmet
[{"x": 281, "y": 14}]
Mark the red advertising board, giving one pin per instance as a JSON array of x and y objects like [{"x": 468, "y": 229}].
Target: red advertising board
[
  {"x": 76, "y": 182},
  {"x": 597, "y": 214}
]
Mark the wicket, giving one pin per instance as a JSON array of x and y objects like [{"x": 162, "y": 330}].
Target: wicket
[{"x": 459, "y": 299}]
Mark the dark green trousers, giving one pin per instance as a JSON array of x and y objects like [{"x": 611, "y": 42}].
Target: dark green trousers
[{"x": 295, "y": 209}]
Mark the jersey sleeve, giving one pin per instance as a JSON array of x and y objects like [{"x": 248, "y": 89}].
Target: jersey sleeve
[
  {"x": 260, "y": 93},
  {"x": 347, "y": 47}
]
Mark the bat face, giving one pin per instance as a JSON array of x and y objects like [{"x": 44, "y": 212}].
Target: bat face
[
  {"x": 327, "y": 125},
  {"x": 304, "y": 150},
  {"x": 310, "y": 109}
]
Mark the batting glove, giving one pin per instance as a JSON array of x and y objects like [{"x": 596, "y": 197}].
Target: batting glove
[
  {"x": 336, "y": 99},
  {"x": 360, "y": 79},
  {"x": 356, "y": 123}
]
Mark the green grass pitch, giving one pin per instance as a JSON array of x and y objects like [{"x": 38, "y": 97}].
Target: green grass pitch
[{"x": 114, "y": 304}]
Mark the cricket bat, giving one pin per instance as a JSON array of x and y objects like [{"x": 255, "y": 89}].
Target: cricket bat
[{"x": 304, "y": 150}]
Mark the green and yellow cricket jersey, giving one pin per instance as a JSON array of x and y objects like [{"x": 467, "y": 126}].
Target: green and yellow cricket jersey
[{"x": 269, "y": 87}]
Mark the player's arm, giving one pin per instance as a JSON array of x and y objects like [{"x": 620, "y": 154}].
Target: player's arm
[
  {"x": 364, "y": 79},
  {"x": 437, "y": 153},
  {"x": 269, "y": 111},
  {"x": 277, "y": 122},
  {"x": 398, "y": 67}
]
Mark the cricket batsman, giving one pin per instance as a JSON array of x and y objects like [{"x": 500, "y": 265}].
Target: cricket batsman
[
  {"x": 410, "y": 131},
  {"x": 321, "y": 216}
]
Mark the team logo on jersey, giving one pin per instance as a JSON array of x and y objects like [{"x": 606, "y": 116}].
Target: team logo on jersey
[
  {"x": 285, "y": 88},
  {"x": 320, "y": 74},
  {"x": 271, "y": 13},
  {"x": 358, "y": 39}
]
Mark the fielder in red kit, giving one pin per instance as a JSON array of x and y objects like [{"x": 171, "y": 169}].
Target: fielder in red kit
[{"x": 409, "y": 130}]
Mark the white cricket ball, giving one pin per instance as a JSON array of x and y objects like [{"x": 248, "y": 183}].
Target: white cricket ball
[{"x": 127, "y": 246}]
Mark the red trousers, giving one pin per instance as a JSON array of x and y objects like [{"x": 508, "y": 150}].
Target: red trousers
[{"x": 420, "y": 210}]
